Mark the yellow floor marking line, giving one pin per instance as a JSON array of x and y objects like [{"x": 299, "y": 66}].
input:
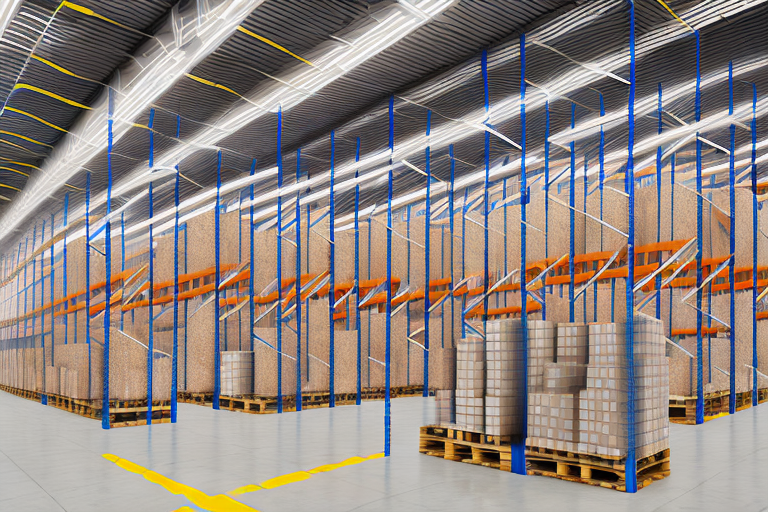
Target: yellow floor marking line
[
  {"x": 710, "y": 418},
  {"x": 298, "y": 476},
  {"x": 217, "y": 503}
]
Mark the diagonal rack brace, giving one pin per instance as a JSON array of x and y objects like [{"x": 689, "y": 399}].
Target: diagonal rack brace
[
  {"x": 472, "y": 305},
  {"x": 648, "y": 299},
  {"x": 601, "y": 222},
  {"x": 708, "y": 315},
  {"x": 669, "y": 341},
  {"x": 672, "y": 259},
  {"x": 598, "y": 274},
  {"x": 709, "y": 279}
]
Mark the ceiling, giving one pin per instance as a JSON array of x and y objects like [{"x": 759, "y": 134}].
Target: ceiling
[{"x": 209, "y": 77}]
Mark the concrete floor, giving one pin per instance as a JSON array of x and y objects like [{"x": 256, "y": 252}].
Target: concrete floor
[{"x": 51, "y": 460}]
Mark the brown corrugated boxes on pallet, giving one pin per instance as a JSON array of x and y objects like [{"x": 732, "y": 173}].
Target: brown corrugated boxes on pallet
[
  {"x": 237, "y": 373},
  {"x": 577, "y": 385},
  {"x": 470, "y": 383},
  {"x": 504, "y": 377}
]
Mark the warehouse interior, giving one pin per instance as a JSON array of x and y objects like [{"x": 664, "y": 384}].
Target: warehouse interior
[{"x": 383, "y": 255}]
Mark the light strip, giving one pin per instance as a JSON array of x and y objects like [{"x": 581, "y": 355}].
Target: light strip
[{"x": 140, "y": 84}]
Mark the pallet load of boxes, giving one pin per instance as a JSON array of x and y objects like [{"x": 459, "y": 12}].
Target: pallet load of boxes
[{"x": 577, "y": 414}]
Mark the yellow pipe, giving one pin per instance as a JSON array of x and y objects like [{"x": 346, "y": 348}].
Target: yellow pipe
[{"x": 273, "y": 44}]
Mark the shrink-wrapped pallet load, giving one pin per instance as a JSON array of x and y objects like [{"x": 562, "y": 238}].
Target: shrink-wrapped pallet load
[
  {"x": 603, "y": 409},
  {"x": 541, "y": 350},
  {"x": 236, "y": 373},
  {"x": 504, "y": 378},
  {"x": 470, "y": 383}
]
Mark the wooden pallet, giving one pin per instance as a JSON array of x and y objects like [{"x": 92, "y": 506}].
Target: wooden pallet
[
  {"x": 682, "y": 409},
  {"x": 268, "y": 404},
  {"x": 122, "y": 413},
  {"x": 466, "y": 446},
  {"x": 495, "y": 452},
  {"x": 23, "y": 393},
  {"x": 609, "y": 472}
]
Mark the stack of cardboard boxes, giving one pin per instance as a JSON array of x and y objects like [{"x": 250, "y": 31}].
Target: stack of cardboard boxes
[
  {"x": 504, "y": 377},
  {"x": 603, "y": 404},
  {"x": 444, "y": 406},
  {"x": 541, "y": 350},
  {"x": 577, "y": 386},
  {"x": 553, "y": 411},
  {"x": 470, "y": 383}
]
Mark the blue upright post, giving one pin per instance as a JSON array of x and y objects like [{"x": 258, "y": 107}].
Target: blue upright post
[
  {"x": 174, "y": 356},
  {"x": 388, "y": 320},
  {"x": 122, "y": 258},
  {"x": 585, "y": 181},
  {"x": 151, "y": 289},
  {"x": 279, "y": 270},
  {"x": 217, "y": 293},
  {"x": 442, "y": 269},
  {"x": 175, "y": 353},
  {"x": 18, "y": 292},
  {"x": 186, "y": 310},
  {"x": 64, "y": 267},
  {"x": 108, "y": 268},
  {"x": 332, "y": 281},
  {"x": 518, "y": 445},
  {"x": 504, "y": 202},
  {"x": 699, "y": 246},
  {"x": 26, "y": 246},
  {"x": 601, "y": 162},
  {"x": 34, "y": 279},
  {"x": 546, "y": 205},
  {"x": 572, "y": 217},
  {"x": 671, "y": 225},
  {"x": 308, "y": 216},
  {"x": 298, "y": 281},
  {"x": 252, "y": 272},
  {"x": 87, "y": 311},
  {"x": 428, "y": 213},
  {"x": 753, "y": 127},
  {"x": 51, "y": 293},
  {"x": 732, "y": 245},
  {"x": 600, "y": 184},
  {"x": 486, "y": 203},
  {"x": 407, "y": 212},
  {"x": 486, "y": 209},
  {"x": 657, "y": 300},
  {"x": 42, "y": 309},
  {"x": 464, "y": 209},
  {"x": 629, "y": 183},
  {"x": 239, "y": 260},
  {"x": 357, "y": 276},
  {"x": 453, "y": 279}
]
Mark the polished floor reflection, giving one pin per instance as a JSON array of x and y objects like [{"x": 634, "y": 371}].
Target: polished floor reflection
[{"x": 51, "y": 460}]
